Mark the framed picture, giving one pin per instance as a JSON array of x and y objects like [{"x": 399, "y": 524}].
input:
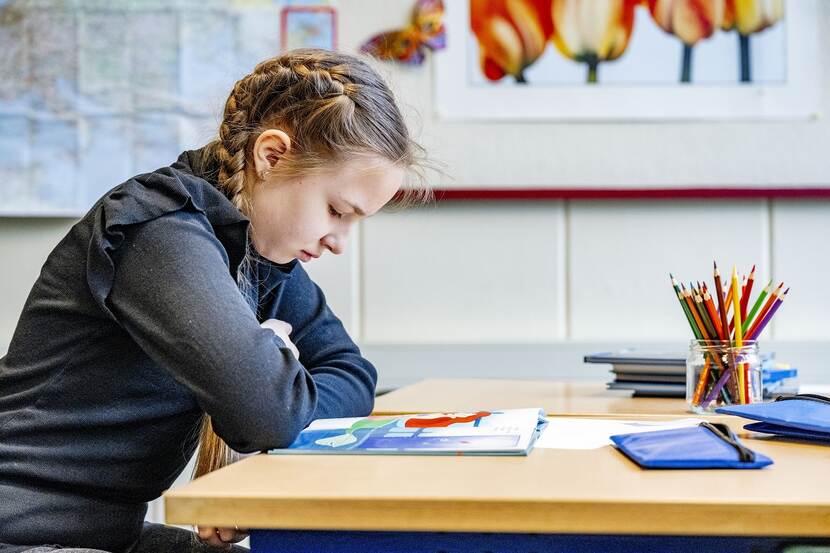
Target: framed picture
[
  {"x": 308, "y": 27},
  {"x": 625, "y": 60}
]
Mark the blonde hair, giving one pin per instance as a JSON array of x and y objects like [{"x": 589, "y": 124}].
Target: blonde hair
[{"x": 333, "y": 106}]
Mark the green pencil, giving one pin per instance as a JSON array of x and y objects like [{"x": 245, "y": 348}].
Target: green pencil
[
  {"x": 685, "y": 307},
  {"x": 756, "y": 306}
]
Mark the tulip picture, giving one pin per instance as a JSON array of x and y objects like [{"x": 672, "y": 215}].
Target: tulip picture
[
  {"x": 511, "y": 34},
  {"x": 592, "y": 31},
  {"x": 568, "y": 42},
  {"x": 689, "y": 20}
]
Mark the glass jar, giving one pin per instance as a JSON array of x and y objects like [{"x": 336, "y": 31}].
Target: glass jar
[{"x": 721, "y": 373}]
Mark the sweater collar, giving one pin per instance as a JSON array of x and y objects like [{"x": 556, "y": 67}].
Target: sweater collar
[{"x": 231, "y": 226}]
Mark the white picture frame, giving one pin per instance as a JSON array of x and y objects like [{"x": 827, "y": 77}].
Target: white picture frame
[{"x": 458, "y": 97}]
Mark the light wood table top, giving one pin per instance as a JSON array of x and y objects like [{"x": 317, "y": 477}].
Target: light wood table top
[
  {"x": 549, "y": 491},
  {"x": 556, "y": 398}
]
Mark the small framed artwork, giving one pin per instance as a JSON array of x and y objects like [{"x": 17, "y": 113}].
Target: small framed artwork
[{"x": 308, "y": 27}]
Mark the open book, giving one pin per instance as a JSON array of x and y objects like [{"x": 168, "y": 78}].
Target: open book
[{"x": 499, "y": 432}]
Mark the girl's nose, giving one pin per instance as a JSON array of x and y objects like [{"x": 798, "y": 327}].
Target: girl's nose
[{"x": 334, "y": 244}]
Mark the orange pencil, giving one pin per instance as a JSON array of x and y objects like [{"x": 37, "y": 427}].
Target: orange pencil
[
  {"x": 704, "y": 316},
  {"x": 713, "y": 314},
  {"x": 701, "y": 382}
]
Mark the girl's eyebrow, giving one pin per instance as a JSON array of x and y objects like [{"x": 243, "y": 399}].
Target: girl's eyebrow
[{"x": 356, "y": 209}]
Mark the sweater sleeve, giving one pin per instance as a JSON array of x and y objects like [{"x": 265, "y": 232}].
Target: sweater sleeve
[
  {"x": 173, "y": 293},
  {"x": 345, "y": 380}
]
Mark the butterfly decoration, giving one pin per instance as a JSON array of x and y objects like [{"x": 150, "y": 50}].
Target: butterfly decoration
[{"x": 409, "y": 45}]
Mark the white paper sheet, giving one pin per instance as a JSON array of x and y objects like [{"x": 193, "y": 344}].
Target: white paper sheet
[{"x": 576, "y": 433}]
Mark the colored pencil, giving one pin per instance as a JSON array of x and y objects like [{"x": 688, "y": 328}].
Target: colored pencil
[
  {"x": 704, "y": 316},
  {"x": 767, "y": 306},
  {"x": 713, "y": 314},
  {"x": 721, "y": 302},
  {"x": 687, "y": 296},
  {"x": 749, "y": 318},
  {"x": 746, "y": 293},
  {"x": 743, "y": 292},
  {"x": 701, "y": 382},
  {"x": 729, "y": 296},
  {"x": 762, "y": 323},
  {"x": 685, "y": 307},
  {"x": 736, "y": 315}
]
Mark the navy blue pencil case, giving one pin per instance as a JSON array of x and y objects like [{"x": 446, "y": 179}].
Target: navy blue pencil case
[
  {"x": 803, "y": 416},
  {"x": 706, "y": 446}
]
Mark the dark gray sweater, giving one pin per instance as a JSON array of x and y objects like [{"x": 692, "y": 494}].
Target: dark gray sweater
[{"x": 134, "y": 329}]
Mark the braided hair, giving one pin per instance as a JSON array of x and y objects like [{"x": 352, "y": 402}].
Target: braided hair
[{"x": 333, "y": 106}]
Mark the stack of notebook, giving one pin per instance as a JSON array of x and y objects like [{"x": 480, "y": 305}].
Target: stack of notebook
[
  {"x": 647, "y": 373},
  {"x": 663, "y": 373}
]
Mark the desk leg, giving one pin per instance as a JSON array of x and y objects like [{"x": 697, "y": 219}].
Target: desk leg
[{"x": 273, "y": 541}]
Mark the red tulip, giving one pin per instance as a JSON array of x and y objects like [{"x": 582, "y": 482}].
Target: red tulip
[
  {"x": 689, "y": 20},
  {"x": 511, "y": 34}
]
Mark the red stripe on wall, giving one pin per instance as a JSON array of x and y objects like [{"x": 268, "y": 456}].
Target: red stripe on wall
[{"x": 507, "y": 194}]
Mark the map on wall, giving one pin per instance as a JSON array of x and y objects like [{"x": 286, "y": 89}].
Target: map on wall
[{"x": 93, "y": 91}]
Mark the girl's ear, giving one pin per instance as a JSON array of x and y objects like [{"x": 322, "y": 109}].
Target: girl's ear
[{"x": 269, "y": 148}]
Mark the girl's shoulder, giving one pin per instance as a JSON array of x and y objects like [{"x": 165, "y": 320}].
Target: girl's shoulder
[
  {"x": 172, "y": 192},
  {"x": 176, "y": 187}
]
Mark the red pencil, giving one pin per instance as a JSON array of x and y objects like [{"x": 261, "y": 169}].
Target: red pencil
[
  {"x": 721, "y": 303},
  {"x": 747, "y": 290}
]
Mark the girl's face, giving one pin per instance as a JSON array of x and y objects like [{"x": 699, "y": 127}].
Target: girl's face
[{"x": 301, "y": 218}]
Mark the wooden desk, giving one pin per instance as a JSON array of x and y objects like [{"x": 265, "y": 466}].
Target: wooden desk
[
  {"x": 552, "y": 500},
  {"x": 550, "y": 495},
  {"x": 557, "y": 398}
]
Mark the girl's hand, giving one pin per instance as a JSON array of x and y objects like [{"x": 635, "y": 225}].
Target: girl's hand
[
  {"x": 282, "y": 329},
  {"x": 220, "y": 537}
]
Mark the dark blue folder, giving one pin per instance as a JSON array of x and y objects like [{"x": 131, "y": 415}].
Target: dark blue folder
[
  {"x": 804, "y": 416},
  {"x": 706, "y": 446}
]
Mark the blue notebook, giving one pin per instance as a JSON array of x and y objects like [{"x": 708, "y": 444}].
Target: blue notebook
[
  {"x": 805, "y": 416},
  {"x": 706, "y": 446}
]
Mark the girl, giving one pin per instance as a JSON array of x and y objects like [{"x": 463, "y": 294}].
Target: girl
[{"x": 179, "y": 297}]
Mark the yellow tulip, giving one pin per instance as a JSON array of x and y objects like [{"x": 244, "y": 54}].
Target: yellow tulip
[
  {"x": 749, "y": 17},
  {"x": 753, "y": 16},
  {"x": 511, "y": 35},
  {"x": 592, "y": 31}
]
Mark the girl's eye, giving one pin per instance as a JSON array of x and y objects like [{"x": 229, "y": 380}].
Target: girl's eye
[{"x": 335, "y": 213}]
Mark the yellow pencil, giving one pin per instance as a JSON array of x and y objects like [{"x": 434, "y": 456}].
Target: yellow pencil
[{"x": 739, "y": 339}]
